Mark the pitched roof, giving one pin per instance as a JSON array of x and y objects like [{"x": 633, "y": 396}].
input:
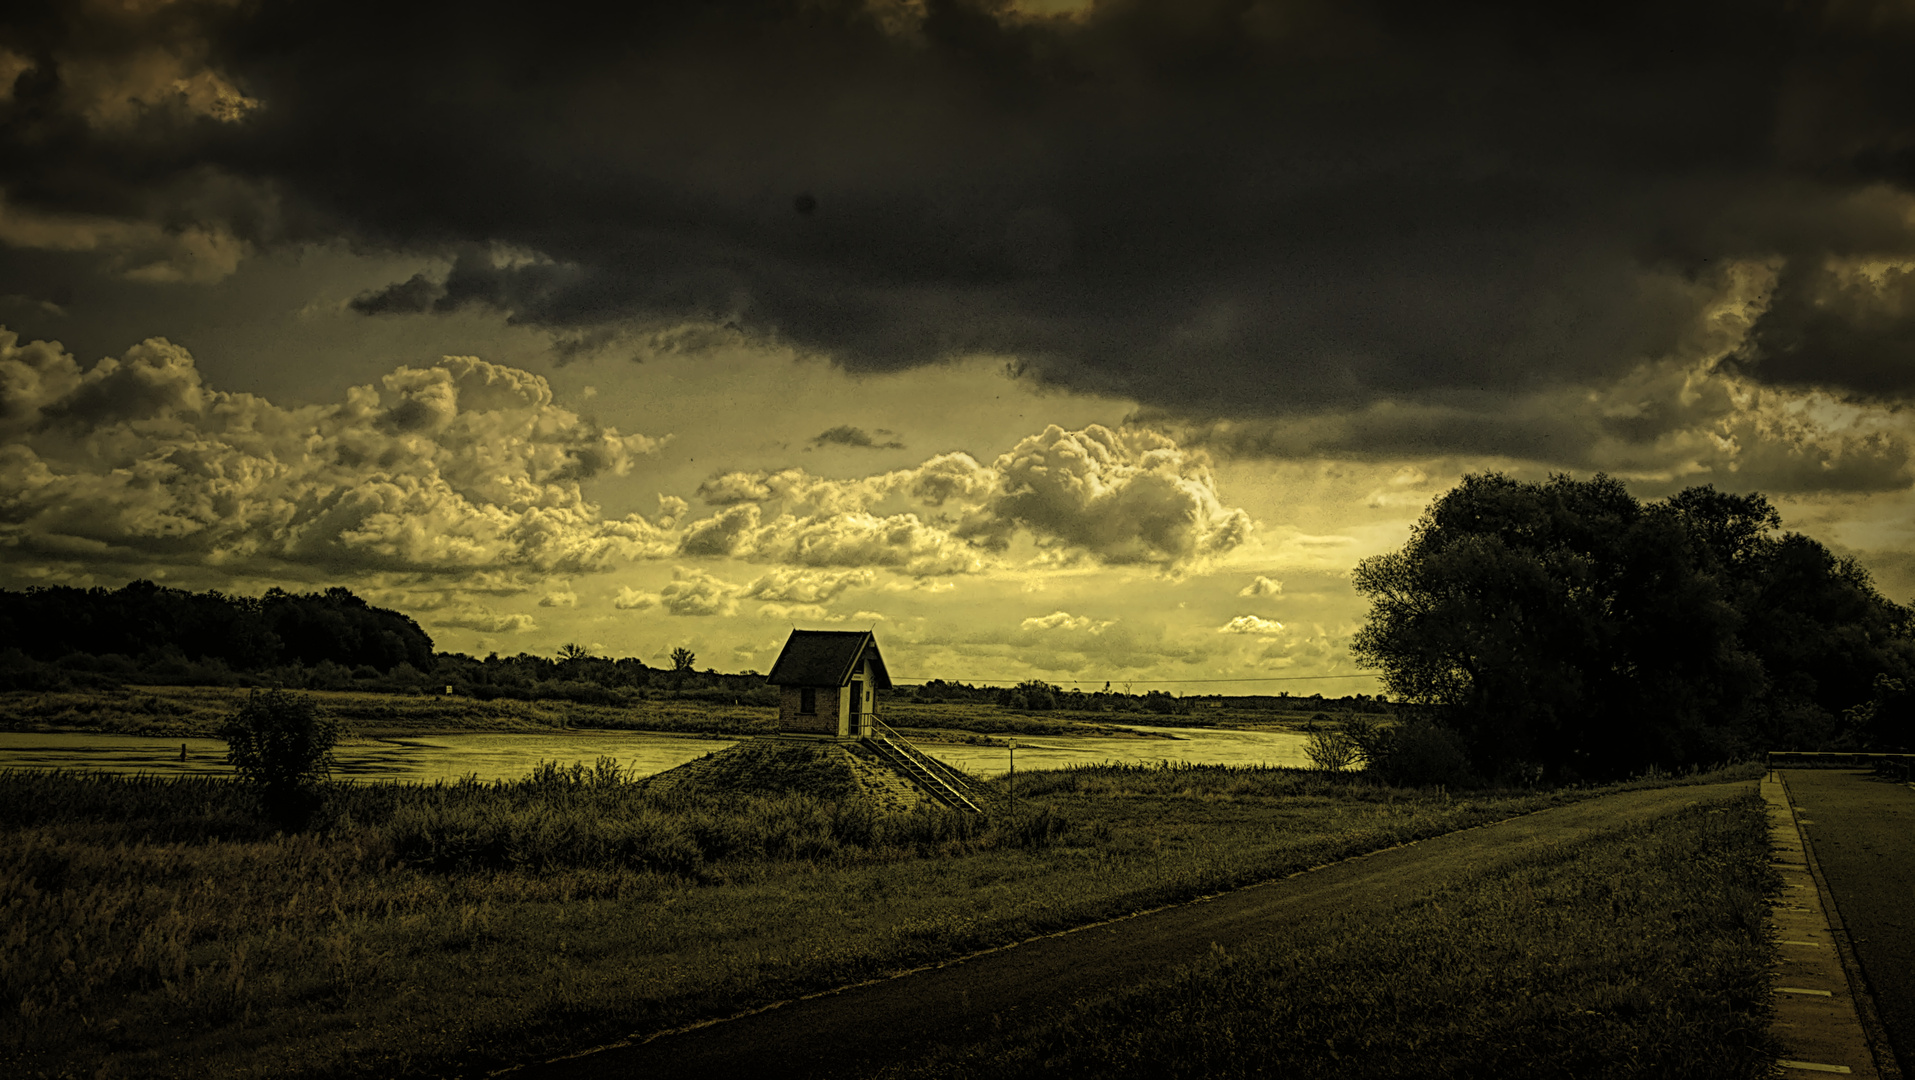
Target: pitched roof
[{"x": 827, "y": 658}]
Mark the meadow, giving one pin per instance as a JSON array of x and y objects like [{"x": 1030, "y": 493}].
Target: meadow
[{"x": 156, "y": 928}]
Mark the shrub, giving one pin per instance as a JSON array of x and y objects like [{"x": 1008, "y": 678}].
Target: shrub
[
  {"x": 1331, "y": 750},
  {"x": 280, "y": 745}
]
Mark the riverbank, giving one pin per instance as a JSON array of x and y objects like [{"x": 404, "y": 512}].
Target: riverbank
[
  {"x": 457, "y": 927},
  {"x": 189, "y": 711},
  {"x": 196, "y": 711}
]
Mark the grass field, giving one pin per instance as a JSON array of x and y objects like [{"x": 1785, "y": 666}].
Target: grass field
[
  {"x": 155, "y": 928},
  {"x": 1639, "y": 953}
]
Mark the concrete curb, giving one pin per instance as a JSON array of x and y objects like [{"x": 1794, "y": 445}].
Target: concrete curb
[{"x": 1816, "y": 1015}]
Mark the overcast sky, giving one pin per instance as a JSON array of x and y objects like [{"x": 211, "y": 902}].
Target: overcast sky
[{"x": 1051, "y": 339}]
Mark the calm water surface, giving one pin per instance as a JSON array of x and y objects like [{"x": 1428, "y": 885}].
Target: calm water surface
[
  {"x": 421, "y": 758},
  {"x": 1196, "y": 746},
  {"x": 498, "y": 757}
]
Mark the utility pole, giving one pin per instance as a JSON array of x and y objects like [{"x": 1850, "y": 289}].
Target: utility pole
[{"x": 1013, "y": 743}]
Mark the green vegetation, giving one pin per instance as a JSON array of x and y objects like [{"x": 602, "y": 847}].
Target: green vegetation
[
  {"x": 281, "y": 745},
  {"x": 151, "y": 628},
  {"x": 159, "y": 925},
  {"x": 1567, "y": 628},
  {"x": 1564, "y": 965},
  {"x": 197, "y": 710}
]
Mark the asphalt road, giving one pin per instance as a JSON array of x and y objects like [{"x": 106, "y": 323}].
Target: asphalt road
[
  {"x": 1863, "y": 833},
  {"x": 860, "y": 1030}
]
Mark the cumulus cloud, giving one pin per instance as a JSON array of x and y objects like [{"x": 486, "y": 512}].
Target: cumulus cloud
[
  {"x": 1118, "y": 497},
  {"x": 950, "y": 477},
  {"x": 630, "y": 599},
  {"x": 1064, "y": 620},
  {"x": 799, "y": 613},
  {"x": 899, "y": 542},
  {"x": 1262, "y": 586},
  {"x": 736, "y": 487},
  {"x": 806, "y": 586},
  {"x": 467, "y": 467},
  {"x": 690, "y": 592},
  {"x": 462, "y": 466},
  {"x": 727, "y": 533},
  {"x": 485, "y": 620},
  {"x": 561, "y": 598},
  {"x": 696, "y": 592},
  {"x": 1251, "y": 624},
  {"x": 1132, "y": 497}
]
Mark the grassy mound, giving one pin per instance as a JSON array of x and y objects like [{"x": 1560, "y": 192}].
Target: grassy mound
[
  {"x": 767, "y": 767},
  {"x": 774, "y": 766}
]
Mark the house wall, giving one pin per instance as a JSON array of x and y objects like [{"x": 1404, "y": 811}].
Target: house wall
[
  {"x": 867, "y": 700},
  {"x": 824, "y": 722},
  {"x": 830, "y": 720},
  {"x": 870, "y": 699}
]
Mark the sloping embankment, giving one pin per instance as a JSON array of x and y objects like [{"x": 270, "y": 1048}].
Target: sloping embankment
[{"x": 795, "y": 765}]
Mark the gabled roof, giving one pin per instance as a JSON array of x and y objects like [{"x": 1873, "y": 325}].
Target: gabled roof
[{"x": 827, "y": 658}]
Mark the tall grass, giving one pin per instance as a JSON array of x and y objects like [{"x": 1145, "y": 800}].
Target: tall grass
[{"x": 155, "y": 926}]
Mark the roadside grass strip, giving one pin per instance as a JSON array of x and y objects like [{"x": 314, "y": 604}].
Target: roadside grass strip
[{"x": 1638, "y": 953}]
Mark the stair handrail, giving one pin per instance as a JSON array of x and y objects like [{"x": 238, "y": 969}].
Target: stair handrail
[{"x": 931, "y": 766}]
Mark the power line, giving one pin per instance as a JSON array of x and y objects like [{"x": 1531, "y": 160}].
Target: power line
[{"x": 1151, "y": 682}]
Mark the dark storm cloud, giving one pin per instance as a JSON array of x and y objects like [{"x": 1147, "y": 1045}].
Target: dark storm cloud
[
  {"x": 855, "y": 437},
  {"x": 1861, "y": 325},
  {"x": 1222, "y": 208}
]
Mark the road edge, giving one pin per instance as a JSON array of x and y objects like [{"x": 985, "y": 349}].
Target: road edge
[{"x": 1819, "y": 996}]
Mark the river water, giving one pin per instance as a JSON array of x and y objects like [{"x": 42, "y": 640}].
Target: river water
[{"x": 496, "y": 757}]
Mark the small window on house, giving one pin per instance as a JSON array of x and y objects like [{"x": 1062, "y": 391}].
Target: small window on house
[{"x": 808, "y": 700}]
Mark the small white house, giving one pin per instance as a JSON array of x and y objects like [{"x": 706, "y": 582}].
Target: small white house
[{"x": 829, "y": 682}]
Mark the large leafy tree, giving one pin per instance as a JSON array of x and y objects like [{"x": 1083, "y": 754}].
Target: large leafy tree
[{"x": 1569, "y": 626}]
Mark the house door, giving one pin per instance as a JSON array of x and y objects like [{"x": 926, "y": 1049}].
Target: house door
[{"x": 857, "y": 707}]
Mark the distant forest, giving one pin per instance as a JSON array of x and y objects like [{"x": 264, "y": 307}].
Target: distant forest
[
  {"x": 145, "y": 627},
  {"x": 66, "y": 638}
]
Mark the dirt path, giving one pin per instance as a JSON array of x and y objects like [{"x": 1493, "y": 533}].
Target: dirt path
[
  {"x": 855, "y": 1032},
  {"x": 1863, "y": 832}
]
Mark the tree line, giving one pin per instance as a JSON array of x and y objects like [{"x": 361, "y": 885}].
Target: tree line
[
  {"x": 149, "y": 625},
  {"x": 1568, "y": 629},
  {"x": 60, "y": 637}
]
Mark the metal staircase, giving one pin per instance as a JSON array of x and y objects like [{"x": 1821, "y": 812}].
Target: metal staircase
[{"x": 952, "y": 787}]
